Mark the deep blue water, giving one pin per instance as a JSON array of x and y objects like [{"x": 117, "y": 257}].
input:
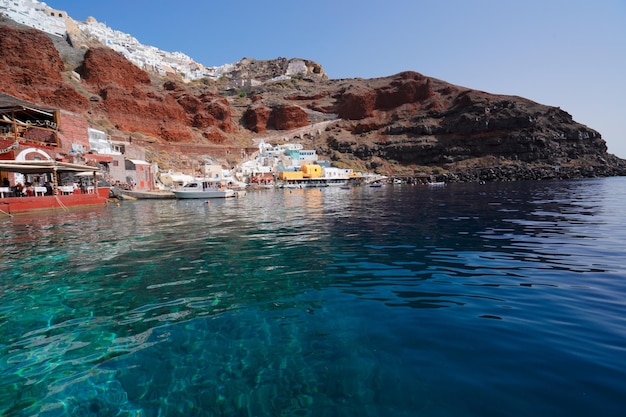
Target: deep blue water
[{"x": 470, "y": 300}]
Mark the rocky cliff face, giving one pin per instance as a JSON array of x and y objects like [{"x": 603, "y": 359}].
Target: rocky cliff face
[
  {"x": 415, "y": 119},
  {"x": 32, "y": 69},
  {"x": 405, "y": 124}
]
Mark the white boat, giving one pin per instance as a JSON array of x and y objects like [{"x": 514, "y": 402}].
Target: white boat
[
  {"x": 204, "y": 189},
  {"x": 436, "y": 184},
  {"x": 140, "y": 194}
]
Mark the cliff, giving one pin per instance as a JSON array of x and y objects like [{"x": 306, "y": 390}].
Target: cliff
[{"x": 405, "y": 124}]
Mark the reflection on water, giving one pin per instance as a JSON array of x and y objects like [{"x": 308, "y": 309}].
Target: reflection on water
[{"x": 463, "y": 300}]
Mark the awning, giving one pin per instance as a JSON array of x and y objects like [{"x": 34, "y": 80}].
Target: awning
[
  {"x": 98, "y": 158},
  {"x": 139, "y": 162},
  {"x": 40, "y": 167}
]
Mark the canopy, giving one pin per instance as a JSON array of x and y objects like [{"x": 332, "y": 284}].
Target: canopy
[
  {"x": 40, "y": 167},
  {"x": 139, "y": 162},
  {"x": 14, "y": 111}
]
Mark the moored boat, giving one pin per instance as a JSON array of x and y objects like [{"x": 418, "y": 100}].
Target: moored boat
[
  {"x": 142, "y": 194},
  {"x": 204, "y": 189},
  {"x": 319, "y": 182}
]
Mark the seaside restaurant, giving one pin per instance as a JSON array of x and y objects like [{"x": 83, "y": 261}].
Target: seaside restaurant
[
  {"x": 51, "y": 196},
  {"x": 48, "y": 172},
  {"x": 33, "y": 171}
]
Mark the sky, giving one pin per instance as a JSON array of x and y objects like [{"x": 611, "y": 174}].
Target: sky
[{"x": 565, "y": 53}]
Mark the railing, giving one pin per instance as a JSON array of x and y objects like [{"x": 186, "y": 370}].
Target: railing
[{"x": 28, "y": 133}]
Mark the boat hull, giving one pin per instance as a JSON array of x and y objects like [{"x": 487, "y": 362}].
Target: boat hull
[
  {"x": 204, "y": 193},
  {"x": 318, "y": 182},
  {"x": 143, "y": 195}
]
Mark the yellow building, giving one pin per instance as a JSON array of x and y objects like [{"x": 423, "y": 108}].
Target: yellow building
[
  {"x": 311, "y": 171},
  {"x": 290, "y": 175}
]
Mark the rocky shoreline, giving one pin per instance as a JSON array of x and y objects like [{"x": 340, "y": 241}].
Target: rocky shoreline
[
  {"x": 502, "y": 174},
  {"x": 613, "y": 167}
]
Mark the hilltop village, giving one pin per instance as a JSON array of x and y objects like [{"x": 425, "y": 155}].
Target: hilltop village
[
  {"x": 39, "y": 15},
  {"x": 55, "y": 22}
]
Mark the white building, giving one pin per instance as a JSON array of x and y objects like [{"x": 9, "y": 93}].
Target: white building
[
  {"x": 35, "y": 14},
  {"x": 337, "y": 173},
  {"x": 100, "y": 143}
]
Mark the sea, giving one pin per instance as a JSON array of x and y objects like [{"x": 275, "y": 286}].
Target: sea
[{"x": 497, "y": 299}]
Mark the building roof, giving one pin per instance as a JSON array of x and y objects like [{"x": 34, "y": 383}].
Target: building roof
[{"x": 9, "y": 104}]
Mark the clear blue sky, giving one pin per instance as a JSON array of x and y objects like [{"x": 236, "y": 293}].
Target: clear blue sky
[{"x": 565, "y": 53}]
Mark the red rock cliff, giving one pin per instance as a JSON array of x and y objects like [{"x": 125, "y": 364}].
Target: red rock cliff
[{"x": 31, "y": 70}]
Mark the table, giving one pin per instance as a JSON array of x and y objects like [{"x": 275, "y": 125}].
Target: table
[
  {"x": 40, "y": 190},
  {"x": 4, "y": 190},
  {"x": 66, "y": 189}
]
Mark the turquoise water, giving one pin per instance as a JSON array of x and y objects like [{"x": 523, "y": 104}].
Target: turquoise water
[{"x": 468, "y": 300}]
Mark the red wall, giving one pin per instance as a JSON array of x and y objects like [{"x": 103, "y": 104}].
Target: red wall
[{"x": 72, "y": 129}]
